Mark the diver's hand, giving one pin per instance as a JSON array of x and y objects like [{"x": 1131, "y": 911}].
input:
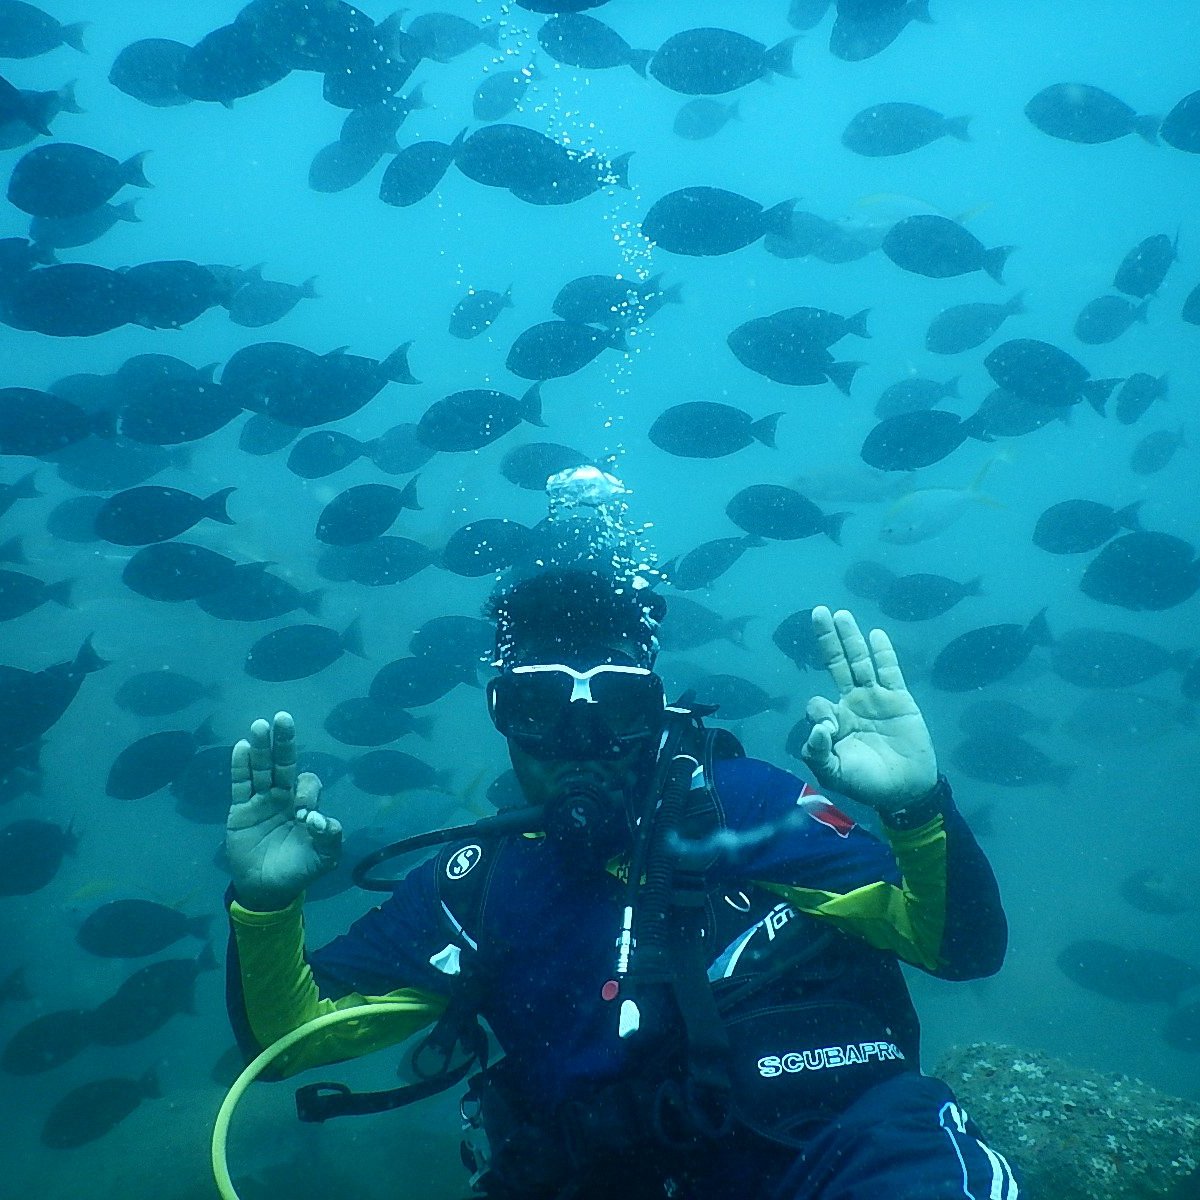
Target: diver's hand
[
  {"x": 873, "y": 744},
  {"x": 276, "y": 841}
]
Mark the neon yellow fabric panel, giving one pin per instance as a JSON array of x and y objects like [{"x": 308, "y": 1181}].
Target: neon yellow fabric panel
[{"x": 281, "y": 994}]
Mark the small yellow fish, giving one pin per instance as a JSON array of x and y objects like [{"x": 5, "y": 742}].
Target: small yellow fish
[{"x": 926, "y": 512}]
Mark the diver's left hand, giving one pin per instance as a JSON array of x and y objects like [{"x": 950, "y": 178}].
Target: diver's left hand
[{"x": 872, "y": 745}]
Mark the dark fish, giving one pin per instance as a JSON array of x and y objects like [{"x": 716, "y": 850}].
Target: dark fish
[
  {"x": 1078, "y": 112},
  {"x": 1155, "y": 451},
  {"x": 416, "y": 171},
  {"x": 1104, "y": 319},
  {"x": 337, "y": 385},
  {"x": 709, "y": 62},
  {"x": 1152, "y": 890},
  {"x": 136, "y": 928},
  {"x": 772, "y": 511},
  {"x": 74, "y": 519},
  {"x": 791, "y": 346},
  {"x": 26, "y": 31},
  {"x": 363, "y": 721},
  {"x": 862, "y": 31},
  {"x": 254, "y": 594},
  {"x": 1181, "y": 126},
  {"x": 270, "y": 375},
  {"x": 1043, "y": 374},
  {"x": 705, "y": 564},
  {"x": 400, "y": 451},
  {"x": 46, "y": 1042},
  {"x": 983, "y": 718},
  {"x": 982, "y": 656},
  {"x": 376, "y": 67},
  {"x": 1077, "y": 526},
  {"x": 689, "y": 624},
  {"x": 554, "y": 349},
  {"x": 1004, "y": 415},
  {"x": 922, "y": 597},
  {"x": 884, "y": 130},
  {"x": 25, "y": 113},
  {"x": 169, "y": 295},
  {"x": 805, "y": 14},
  {"x": 736, "y": 698},
  {"x": 262, "y": 435},
  {"x": 467, "y": 641},
  {"x": 31, "y": 852},
  {"x": 703, "y": 429},
  {"x": 417, "y": 681},
  {"x": 1137, "y": 393},
  {"x": 21, "y": 594},
  {"x": 965, "y": 326},
  {"x": 160, "y": 693},
  {"x": 64, "y": 180},
  {"x": 1144, "y": 572},
  {"x": 529, "y": 466},
  {"x": 914, "y": 395},
  {"x": 915, "y": 439},
  {"x": 339, "y": 166},
  {"x": 201, "y": 789},
  {"x": 143, "y": 515},
  {"x": 1103, "y": 658},
  {"x": 364, "y": 512},
  {"x": 111, "y": 463},
  {"x": 499, "y": 94},
  {"x": 613, "y": 301},
  {"x": 298, "y": 651},
  {"x": 1008, "y": 760},
  {"x": 940, "y": 249},
  {"x": 476, "y": 311},
  {"x": 23, "y": 489},
  {"x": 325, "y": 452},
  {"x": 442, "y": 37},
  {"x": 485, "y": 547},
  {"x": 386, "y": 560},
  {"x": 706, "y": 221},
  {"x": 1144, "y": 268},
  {"x": 1126, "y": 973},
  {"x": 71, "y": 300},
  {"x": 260, "y": 302},
  {"x": 148, "y": 999},
  {"x": 703, "y": 118},
  {"x": 177, "y": 571},
  {"x": 61, "y": 233},
  {"x": 309, "y": 37},
  {"x": 149, "y": 71},
  {"x": 88, "y": 1112},
  {"x": 475, "y": 418},
  {"x": 31, "y": 702},
  {"x": 582, "y": 41},
  {"x": 794, "y": 636},
  {"x": 154, "y": 762},
  {"x": 229, "y": 64},
  {"x": 868, "y": 580},
  {"x": 386, "y": 772}
]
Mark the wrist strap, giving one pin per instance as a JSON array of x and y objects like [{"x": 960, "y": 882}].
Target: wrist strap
[{"x": 923, "y": 809}]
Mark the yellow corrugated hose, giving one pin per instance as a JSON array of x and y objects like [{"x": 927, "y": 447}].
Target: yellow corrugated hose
[{"x": 220, "y": 1137}]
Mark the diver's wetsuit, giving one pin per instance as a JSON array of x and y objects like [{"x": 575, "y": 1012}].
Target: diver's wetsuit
[{"x": 856, "y": 1116}]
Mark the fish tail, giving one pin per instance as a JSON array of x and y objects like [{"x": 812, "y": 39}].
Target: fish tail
[
  {"x": 778, "y": 60},
  {"x": 956, "y": 127},
  {"x": 25, "y": 488},
  {"x": 763, "y": 430},
  {"x": 395, "y": 366},
  {"x": 408, "y": 497},
  {"x": 616, "y": 170},
  {"x": 778, "y": 218},
  {"x": 127, "y": 211},
  {"x": 132, "y": 173},
  {"x": 734, "y": 630},
  {"x": 415, "y": 100},
  {"x": 973, "y": 587},
  {"x": 311, "y": 601},
  {"x": 87, "y": 660},
  {"x": 1097, "y": 391},
  {"x": 66, "y": 97},
  {"x": 60, "y": 593},
  {"x": 672, "y": 294},
  {"x": 423, "y": 726},
  {"x": 72, "y": 35},
  {"x": 841, "y": 375},
  {"x": 351, "y": 641},
  {"x": 197, "y": 927},
  {"x": 214, "y": 506},
  {"x": 950, "y": 387},
  {"x": 308, "y": 289},
  {"x": 531, "y": 406},
  {"x": 1016, "y": 305},
  {"x": 832, "y": 526},
  {"x": 857, "y": 324},
  {"x": 1038, "y": 631},
  {"x": 13, "y": 551},
  {"x": 1146, "y": 127},
  {"x": 918, "y": 10},
  {"x": 639, "y": 60},
  {"x": 1127, "y": 517},
  {"x": 994, "y": 260}
]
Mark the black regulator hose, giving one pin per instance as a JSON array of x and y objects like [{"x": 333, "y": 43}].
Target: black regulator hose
[{"x": 516, "y": 820}]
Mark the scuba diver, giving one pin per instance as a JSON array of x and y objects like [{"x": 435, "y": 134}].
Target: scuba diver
[{"x": 689, "y": 958}]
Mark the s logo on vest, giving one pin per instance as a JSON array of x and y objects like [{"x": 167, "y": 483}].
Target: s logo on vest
[
  {"x": 463, "y": 861},
  {"x": 827, "y": 814}
]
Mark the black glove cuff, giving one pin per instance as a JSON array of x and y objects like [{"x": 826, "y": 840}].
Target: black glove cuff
[{"x": 923, "y": 809}]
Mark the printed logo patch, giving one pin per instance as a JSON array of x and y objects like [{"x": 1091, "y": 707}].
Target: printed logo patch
[
  {"x": 830, "y": 815},
  {"x": 463, "y": 861}
]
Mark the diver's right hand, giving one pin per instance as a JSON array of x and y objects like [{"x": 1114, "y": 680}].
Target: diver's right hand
[{"x": 276, "y": 841}]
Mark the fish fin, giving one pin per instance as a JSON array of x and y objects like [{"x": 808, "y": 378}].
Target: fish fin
[
  {"x": 131, "y": 171},
  {"x": 13, "y": 551},
  {"x": 832, "y": 526},
  {"x": 950, "y": 387},
  {"x": 531, "y": 406},
  {"x": 994, "y": 260},
  {"x": 1139, "y": 313},
  {"x": 87, "y": 660},
  {"x": 206, "y": 960},
  {"x": 351, "y": 640},
  {"x": 956, "y": 127},
  {"x": 311, "y": 601},
  {"x": 423, "y": 726},
  {"x": 60, "y": 593},
  {"x": 1146, "y": 127},
  {"x": 1016, "y": 304},
  {"x": 752, "y": 541},
  {"x": 415, "y": 100},
  {"x": 973, "y": 587},
  {"x": 778, "y": 218},
  {"x": 778, "y": 59},
  {"x": 395, "y": 366},
  {"x": 506, "y": 299},
  {"x": 206, "y": 735},
  {"x": 857, "y": 324},
  {"x": 197, "y": 927},
  {"x": 779, "y": 703},
  {"x": 763, "y": 430},
  {"x": 735, "y": 630},
  {"x": 127, "y": 211},
  {"x": 214, "y": 506},
  {"x": 639, "y": 60},
  {"x": 408, "y": 497},
  {"x": 72, "y": 35},
  {"x": 1038, "y": 631},
  {"x": 441, "y": 780},
  {"x": 617, "y": 171},
  {"x": 308, "y": 289},
  {"x": 1097, "y": 391},
  {"x": 841, "y": 375},
  {"x": 1127, "y": 517},
  {"x": 918, "y": 10},
  {"x": 614, "y": 338},
  {"x": 25, "y": 487}
]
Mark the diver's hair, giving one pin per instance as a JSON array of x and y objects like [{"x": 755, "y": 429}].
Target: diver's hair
[{"x": 574, "y": 610}]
